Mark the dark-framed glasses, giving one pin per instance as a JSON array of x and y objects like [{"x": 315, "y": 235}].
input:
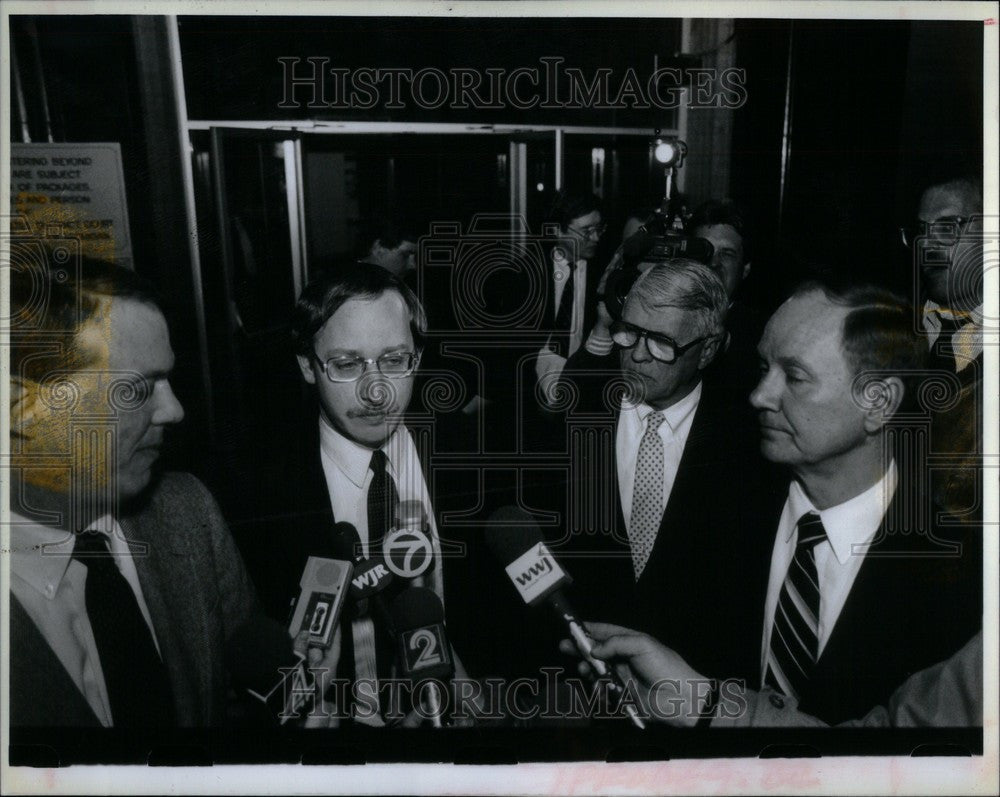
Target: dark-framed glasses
[
  {"x": 940, "y": 232},
  {"x": 394, "y": 365},
  {"x": 660, "y": 347}
]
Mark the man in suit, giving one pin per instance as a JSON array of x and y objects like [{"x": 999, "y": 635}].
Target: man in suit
[
  {"x": 947, "y": 247},
  {"x": 864, "y": 587},
  {"x": 125, "y": 587},
  {"x": 571, "y": 303},
  {"x": 661, "y": 507}
]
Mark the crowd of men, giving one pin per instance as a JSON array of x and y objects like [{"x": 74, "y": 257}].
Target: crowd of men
[{"x": 738, "y": 503}]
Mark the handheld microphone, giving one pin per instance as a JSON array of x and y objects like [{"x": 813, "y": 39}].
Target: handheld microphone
[
  {"x": 260, "y": 658},
  {"x": 423, "y": 645},
  {"x": 538, "y": 578},
  {"x": 371, "y": 576},
  {"x": 407, "y": 548},
  {"x": 324, "y": 586}
]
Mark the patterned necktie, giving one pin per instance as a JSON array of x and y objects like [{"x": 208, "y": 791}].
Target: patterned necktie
[
  {"x": 382, "y": 500},
  {"x": 136, "y": 680},
  {"x": 647, "y": 494},
  {"x": 795, "y": 634}
]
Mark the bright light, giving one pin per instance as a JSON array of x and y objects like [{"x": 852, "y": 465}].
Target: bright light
[
  {"x": 665, "y": 153},
  {"x": 540, "y": 187}
]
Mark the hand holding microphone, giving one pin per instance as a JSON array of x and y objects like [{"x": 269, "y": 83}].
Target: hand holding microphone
[{"x": 538, "y": 578}]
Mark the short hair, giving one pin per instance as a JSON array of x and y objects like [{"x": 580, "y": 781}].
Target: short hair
[
  {"x": 878, "y": 333},
  {"x": 726, "y": 211},
  {"x": 566, "y": 207},
  {"x": 52, "y": 301},
  {"x": 324, "y": 296},
  {"x": 687, "y": 285}
]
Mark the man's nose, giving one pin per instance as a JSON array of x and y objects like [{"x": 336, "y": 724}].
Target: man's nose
[
  {"x": 640, "y": 351},
  {"x": 376, "y": 391},
  {"x": 168, "y": 409},
  {"x": 765, "y": 395}
]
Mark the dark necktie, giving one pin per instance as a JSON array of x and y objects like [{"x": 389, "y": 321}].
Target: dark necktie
[
  {"x": 564, "y": 315},
  {"x": 795, "y": 633},
  {"x": 943, "y": 352},
  {"x": 135, "y": 678},
  {"x": 382, "y": 501}
]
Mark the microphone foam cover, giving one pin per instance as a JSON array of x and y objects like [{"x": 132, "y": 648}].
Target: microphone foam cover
[
  {"x": 518, "y": 533},
  {"x": 345, "y": 541},
  {"x": 416, "y": 607}
]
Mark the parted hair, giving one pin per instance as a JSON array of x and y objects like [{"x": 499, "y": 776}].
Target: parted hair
[{"x": 688, "y": 285}]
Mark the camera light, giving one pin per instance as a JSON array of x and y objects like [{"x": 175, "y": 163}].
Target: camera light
[
  {"x": 540, "y": 187},
  {"x": 665, "y": 152}
]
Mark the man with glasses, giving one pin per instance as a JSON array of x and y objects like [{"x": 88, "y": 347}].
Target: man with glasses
[
  {"x": 947, "y": 253},
  {"x": 677, "y": 484},
  {"x": 571, "y": 301}
]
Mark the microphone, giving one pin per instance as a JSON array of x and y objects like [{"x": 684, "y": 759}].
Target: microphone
[
  {"x": 324, "y": 586},
  {"x": 371, "y": 576},
  {"x": 261, "y": 660},
  {"x": 407, "y": 548},
  {"x": 423, "y": 645},
  {"x": 538, "y": 578}
]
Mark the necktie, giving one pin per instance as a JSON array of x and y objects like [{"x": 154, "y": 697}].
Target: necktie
[
  {"x": 943, "y": 351},
  {"x": 795, "y": 633},
  {"x": 564, "y": 315},
  {"x": 647, "y": 494},
  {"x": 373, "y": 648},
  {"x": 135, "y": 678}
]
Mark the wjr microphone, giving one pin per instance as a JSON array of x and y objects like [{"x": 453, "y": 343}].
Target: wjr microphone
[
  {"x": 423, "y": 645},
  {"x": 538, "y": 578}
]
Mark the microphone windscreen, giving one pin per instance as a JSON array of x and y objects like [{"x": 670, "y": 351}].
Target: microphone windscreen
[
  {"x": 511, "y": 533},
  {"x": 257, "y": 651},
  {"x": 416, "y": 607},
  {"x": 345, "y": 542}
]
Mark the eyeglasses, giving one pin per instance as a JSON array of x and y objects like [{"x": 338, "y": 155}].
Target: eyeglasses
[
  {"x": 593, "y": 231},
  {"x": 660, "y": 347},
  {"x": 394, "y": 365},
  {"x": 940, "y": 232}
]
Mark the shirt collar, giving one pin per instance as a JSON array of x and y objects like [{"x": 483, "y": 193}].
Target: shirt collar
[
  {"x": 933, "y": 310},
  {"x": 559, "y": 261},
  {"x": 854, "y": 522},
  {"x": 352, "y": 459},
  {"x": 40, "y": 554},
  {"x": 674, "y": 415}
]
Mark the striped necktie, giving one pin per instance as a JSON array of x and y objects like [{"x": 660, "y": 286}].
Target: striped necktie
[{"x": 795, "y": 633}]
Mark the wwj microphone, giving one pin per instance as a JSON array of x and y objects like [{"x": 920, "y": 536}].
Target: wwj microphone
[
  {"x": 423, "y": 645},
  {"x": 538, "y": 578},
  {"x": 261, "y": 660}
]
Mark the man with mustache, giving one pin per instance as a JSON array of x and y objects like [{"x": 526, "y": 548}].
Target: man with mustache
[{"x": 125, "y": 585}]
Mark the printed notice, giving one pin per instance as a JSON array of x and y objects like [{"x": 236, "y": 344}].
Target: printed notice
[{"x": 79, "y": 188}]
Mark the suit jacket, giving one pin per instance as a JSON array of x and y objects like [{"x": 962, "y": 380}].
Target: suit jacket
[
  {"x": 197, "y": 592},
  {"x": 912, "y": 605},
  {"x": 711, "y": 551}
]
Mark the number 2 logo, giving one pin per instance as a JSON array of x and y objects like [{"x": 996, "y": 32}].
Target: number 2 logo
[{"x": 425, "y": 643}]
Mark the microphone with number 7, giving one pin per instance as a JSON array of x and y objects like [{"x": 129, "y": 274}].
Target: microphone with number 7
[
  {"x": 538, "y": 578},
  {"x": 423, "y": 645}
]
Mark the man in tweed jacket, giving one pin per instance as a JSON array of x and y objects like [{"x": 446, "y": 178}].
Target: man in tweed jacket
[{"x": 90, "y": 400}]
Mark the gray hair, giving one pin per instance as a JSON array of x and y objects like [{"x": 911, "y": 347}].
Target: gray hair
[{"x": 688, "y": 285}]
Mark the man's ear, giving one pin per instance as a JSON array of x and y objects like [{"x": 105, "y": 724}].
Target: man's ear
[
  {"x": 746, "y": 271},
  {"x": 305, "y": 366},
  {"x": 26, "y": 405},
  {"x": 711, "y": 348},
  {"x": 879, "y": 398}
]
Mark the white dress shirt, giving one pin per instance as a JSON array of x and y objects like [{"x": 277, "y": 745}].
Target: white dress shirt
[
  {"x": 51, "y": 585},
  {"x": 968, "y": 338},
  {"x": 674, "y": 434},
  {"x": 850, "y": 528},
  {"x": 347, "y": 471}
]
